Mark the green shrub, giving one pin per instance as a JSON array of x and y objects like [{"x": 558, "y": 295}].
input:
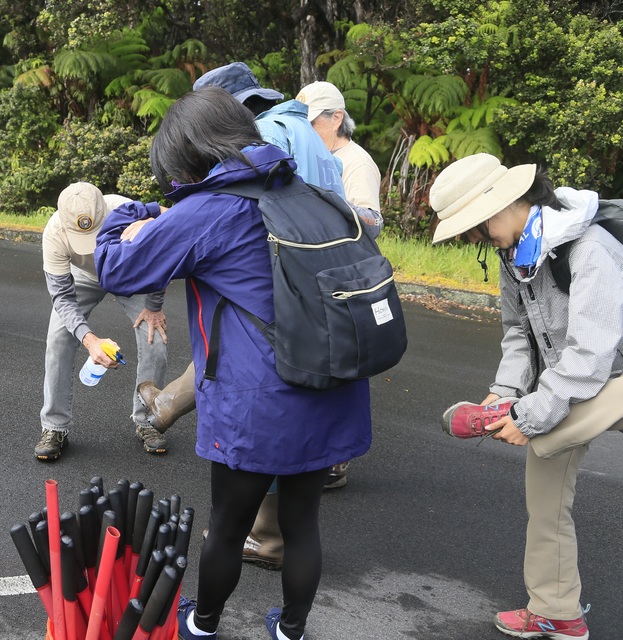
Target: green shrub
[{"x": 136, "y": 179}]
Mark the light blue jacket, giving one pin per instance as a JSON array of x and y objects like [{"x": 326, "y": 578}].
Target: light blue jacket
[{"x": 287, "y": 127}]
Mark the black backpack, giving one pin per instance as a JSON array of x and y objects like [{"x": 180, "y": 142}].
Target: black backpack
[
  {"x": 610, "y": 216},
  {"x": 338, "y": 317}
]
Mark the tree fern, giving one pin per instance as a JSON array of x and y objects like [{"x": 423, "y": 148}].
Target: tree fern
[
  {"x": 435, "y": 94},
  {"x": 467, "y": 143},
  {"x": 150, "y": 104},
  {"x": 38, "y": 77},
  {"x": 173, "y": 83},
  {"x": 429, "y": 152},
  {"x": 82, "y": 65}
]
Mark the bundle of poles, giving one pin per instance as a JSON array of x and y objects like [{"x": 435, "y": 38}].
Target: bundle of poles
[{"x": 114, "y": 570}]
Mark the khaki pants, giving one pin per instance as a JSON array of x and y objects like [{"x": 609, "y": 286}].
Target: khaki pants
[
  {"x": 551, "y": 558},
  {"x": 585, "y": 422}
]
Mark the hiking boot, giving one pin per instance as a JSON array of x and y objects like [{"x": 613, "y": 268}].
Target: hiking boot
[
  {"x": 272, "y": 621},
  {"x": 153, "y": 441},
  {"x": 523, "y": 624},
  {"x": 166, "y": 405},
  {"x": 264, "y": 544},
  {"x": 266, "y": 554},
  {"x": 50, "y": 445},
  {"x": 185, "y": 609},
  {"x": 337, "y": 476},
  {"x": 468, "y": 420}
]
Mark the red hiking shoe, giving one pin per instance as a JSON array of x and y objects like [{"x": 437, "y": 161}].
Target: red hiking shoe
[
  {"x": 523, "y": 624},
  {"x": 468, "y": 420}
]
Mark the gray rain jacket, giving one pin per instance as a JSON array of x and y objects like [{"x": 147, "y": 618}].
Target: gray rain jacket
[{"x": 575, "y": 340}]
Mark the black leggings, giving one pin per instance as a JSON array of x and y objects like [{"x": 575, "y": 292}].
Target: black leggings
[{"x": 236, "y": 498}]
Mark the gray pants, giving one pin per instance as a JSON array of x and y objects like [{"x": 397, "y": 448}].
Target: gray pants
[{"x": 61, "y": 348}]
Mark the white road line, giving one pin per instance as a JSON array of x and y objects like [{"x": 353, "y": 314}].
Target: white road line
[{"x": 16, "y": 586}]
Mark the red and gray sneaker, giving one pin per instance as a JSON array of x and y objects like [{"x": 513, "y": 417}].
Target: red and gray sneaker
[
  {"x": 523, "y": 624},
  {"x": 468, "y": 420}
]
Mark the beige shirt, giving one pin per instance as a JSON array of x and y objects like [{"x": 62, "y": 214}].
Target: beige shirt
[
  {"x": 360, "y": 175},
  {"x": 58, "y": 254}
]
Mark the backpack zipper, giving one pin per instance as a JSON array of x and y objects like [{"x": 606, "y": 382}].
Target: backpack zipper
[
  {"x": 345, "y": 295},
  {"x": 323, "y": 245}
]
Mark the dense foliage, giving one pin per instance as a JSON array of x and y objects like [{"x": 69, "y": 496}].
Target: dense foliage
[{"x": 84, "y": 85}]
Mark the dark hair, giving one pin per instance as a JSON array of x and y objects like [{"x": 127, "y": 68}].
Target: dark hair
[
  {"x": 542, "y": 191},
  {"x": 200, "y": 130}
]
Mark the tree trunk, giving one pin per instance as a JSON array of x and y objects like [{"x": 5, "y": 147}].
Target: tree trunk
[
  {"x": 317, "y": 34},
  {"x": 307, "y": 30}
]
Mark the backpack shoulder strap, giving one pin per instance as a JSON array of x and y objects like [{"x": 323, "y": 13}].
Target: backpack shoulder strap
[
  {"x": 214, "y": 343},
  {"x": 609, "y": 216},
  {"x": 561, "y": 271},
  {"x": 253, "y": 190}
]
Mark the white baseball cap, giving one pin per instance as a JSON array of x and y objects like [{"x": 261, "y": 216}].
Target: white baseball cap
[{"x": 319, "y": 97}]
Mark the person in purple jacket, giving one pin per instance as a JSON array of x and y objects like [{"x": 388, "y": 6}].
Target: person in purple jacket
[{"x": 252, "y": 426}]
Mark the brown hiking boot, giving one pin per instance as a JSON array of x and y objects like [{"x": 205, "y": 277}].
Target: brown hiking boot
[
  {"x": 264, "y": 545},
  {"x": 153, "y": 441},
  {"x": 166, "y": 405},
  {"x": 50, "y": 444}
]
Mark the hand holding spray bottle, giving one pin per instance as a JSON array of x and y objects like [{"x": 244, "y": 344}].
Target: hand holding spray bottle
[{"x": 92, "y": 373}]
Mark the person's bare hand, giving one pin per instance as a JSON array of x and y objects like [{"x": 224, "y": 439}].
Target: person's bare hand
[
  {"x": 490, "y": 399},
  {"x": 156, "y": 321},
  {"x": 131, "y": 231},
  {"x": 506, "y": 431},
  {"x": 93, "y": 345}
]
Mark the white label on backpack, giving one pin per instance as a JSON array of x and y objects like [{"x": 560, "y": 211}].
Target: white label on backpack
[{"x": 382, "y": 312}]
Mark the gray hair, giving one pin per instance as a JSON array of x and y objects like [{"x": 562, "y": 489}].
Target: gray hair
[{"x": 347, "y": 128}]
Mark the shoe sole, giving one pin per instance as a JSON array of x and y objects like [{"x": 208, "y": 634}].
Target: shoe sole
[
  {"x": 271, "y": 565},
  {"x": 552, "y": 635},
  {"x": 48, "y": 458},
  {"x": 338, "y": 484},
  {"x": 157, "y": 452}
]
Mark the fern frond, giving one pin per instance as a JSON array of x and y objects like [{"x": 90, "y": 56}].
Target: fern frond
[
  {"x": 40, "y": 77},
  {"x": 82, "y": 65},
  {"x": 173, "y": 83},
  {"x": 435, "y": 94},
  {"x": 467, "y": 143},
  {"x": 429, "y": 152}
]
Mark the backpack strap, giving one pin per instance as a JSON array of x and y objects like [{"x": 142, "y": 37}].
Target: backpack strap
[
  {"x": 267, "y": 329},
  {"x": 609, "y": 216},
  {"x": 561, "y": 271},
  {"x": 256, "y": 188},
  {"x": 253, "y": 189}
]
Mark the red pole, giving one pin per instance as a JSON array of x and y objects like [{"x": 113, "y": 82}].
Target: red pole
[
  {"x": 102, "y": 585},
  {"x": 54, "y": 532}
]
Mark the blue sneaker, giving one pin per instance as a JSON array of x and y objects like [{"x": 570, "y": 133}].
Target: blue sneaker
[
  {"x": 186, "y": 608},
  {"x": 272, "y": 621}
]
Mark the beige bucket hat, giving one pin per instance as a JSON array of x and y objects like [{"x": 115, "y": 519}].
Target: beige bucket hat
[{"x": 473, "y": 189}]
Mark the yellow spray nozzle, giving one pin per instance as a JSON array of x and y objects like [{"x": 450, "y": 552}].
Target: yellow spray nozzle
[{"x": 112, "y": 352}]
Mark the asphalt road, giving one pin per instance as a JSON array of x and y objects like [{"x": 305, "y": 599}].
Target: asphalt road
[{"x": 426, "y": 540}]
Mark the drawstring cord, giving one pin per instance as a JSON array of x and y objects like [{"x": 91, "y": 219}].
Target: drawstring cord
[{"x": 483, "y": 262}]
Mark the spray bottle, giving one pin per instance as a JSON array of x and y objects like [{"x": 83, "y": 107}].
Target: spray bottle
[{"x": 92, "y": 373}]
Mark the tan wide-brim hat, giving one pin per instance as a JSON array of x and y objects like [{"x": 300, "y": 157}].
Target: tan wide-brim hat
[{"x": 472, "y": 190}]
